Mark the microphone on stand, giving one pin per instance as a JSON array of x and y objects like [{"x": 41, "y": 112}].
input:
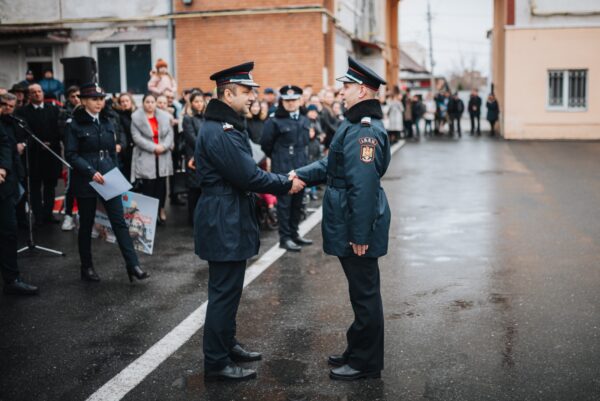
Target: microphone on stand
[{"x": 15, "y": 118}]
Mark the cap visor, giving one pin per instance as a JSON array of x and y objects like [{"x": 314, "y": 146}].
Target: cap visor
[
  {"x": 345, "y": 79},
  {"x": 249, "y": 83}
]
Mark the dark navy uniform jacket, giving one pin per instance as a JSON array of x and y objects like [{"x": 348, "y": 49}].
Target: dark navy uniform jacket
[
  {"x": 89, "y": 148},
  {"x": 225, "y": 223},
  {"x": 285, "y": 141},
  {"x": 355, "y": 208},
  {"x": 10, "y": 160}
]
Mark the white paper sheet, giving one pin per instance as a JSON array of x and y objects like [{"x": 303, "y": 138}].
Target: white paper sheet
[{"x": 114, "y": 184}]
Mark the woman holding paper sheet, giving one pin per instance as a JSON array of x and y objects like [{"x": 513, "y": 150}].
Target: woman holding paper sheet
[{"x": 91, "y": 150}]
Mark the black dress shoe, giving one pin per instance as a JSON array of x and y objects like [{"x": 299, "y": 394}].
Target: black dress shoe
[
  {"x": 231, "y": 372},
  {"x": 346, "y": 373},
  {"x": 89, "y": 274},
  {"x": 290, "y": 246},
  {"x": 337, "y": 360},
  {"x": 136, "y": 272},
  {"x": 302, "y": 241},
  {"x": 239, "y": 354},
  {"x": 19, "y": 287}
]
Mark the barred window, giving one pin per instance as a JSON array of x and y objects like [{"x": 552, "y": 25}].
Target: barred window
[
  {"x": 567, "y": 89},
  {"x": 577, "y": 84}
]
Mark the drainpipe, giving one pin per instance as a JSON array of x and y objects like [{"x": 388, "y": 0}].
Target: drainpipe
[{"x": 170, "y": 29}]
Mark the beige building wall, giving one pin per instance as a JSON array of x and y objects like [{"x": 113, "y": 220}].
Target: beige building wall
[{"x": 530, "y": 53}]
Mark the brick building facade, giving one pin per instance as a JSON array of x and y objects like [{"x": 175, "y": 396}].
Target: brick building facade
[{"x": 292, "y": 41}]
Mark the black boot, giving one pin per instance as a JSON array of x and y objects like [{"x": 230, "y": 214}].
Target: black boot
[
  {"x": 231, "y": 372},
  {"x": 347, "y": 373},
  {"x": 19, "y": 287},
  {"x": 302, "y": 241},
  {"x": 137, "y": 272},
  {"x": 239, "y": 354},
  {"x": 337, "y": 360},
  {"x": 89, "y": 274},
  {"x": 290, "y": 245}
]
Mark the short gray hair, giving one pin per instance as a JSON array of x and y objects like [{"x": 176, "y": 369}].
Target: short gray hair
[{"x": 8, "y": 97}]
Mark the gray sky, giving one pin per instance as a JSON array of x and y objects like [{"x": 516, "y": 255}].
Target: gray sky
[{"x": 459, "y": 29}]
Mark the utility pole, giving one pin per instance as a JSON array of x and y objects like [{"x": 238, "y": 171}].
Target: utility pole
[{"x": 432, "y": 84}]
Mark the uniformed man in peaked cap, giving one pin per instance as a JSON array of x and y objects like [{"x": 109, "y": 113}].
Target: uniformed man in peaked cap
[
  {"x": 225, "y": 226},
  {"x": 356, "y": 217},
  {"x": 285, "y": 140}
]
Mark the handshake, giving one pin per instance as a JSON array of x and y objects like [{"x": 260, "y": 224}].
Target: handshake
[{"x": 297, "y": 184}]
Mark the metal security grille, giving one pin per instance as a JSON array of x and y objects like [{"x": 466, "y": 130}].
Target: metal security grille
[
  {"x": 555, "y": 80},
  {"x": 577, "y": 86},
  {"x": 567, "y": 89}
]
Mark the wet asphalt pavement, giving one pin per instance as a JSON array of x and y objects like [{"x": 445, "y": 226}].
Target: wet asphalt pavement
[{"x": 490, "y": 291}]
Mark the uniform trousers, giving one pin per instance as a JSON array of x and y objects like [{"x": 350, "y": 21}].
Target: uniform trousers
[
  {"x": 8, "y": 239},
  {"x": 114, "y": 211},
  {"x": 289, "y": 210},
  {"x": 42, "y": 202},
  {"x": 225, "y": 284},
  {"x": 364, "y": 351}
]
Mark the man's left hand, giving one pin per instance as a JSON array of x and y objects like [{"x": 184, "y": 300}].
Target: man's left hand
[{"x": 359, "y": 250}]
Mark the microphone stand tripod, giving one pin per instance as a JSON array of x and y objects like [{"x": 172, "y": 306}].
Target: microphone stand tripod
[{"x": 31, "y": 245}]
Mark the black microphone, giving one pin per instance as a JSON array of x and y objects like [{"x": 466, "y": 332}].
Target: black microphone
[{"x": 15, "y": 118}]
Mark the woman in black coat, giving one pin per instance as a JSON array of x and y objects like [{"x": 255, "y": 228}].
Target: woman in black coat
[
  {"x": 91, "y": 150},
  {"x": 493, "y": 111},
  {"x": 192, "y": 123},
  {"x": 255, "y": 121},
  {"x": 126, "y": 106}
]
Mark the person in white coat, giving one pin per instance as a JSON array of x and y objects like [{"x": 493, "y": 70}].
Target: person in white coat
[{"x": 152, "y": 163}]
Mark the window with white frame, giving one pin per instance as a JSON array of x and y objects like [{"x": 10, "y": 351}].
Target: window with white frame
[
  {"x": 567, "y": 89},
  {"x": 124, "y": 67}
]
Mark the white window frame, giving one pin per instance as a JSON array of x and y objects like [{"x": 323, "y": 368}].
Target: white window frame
[
  {"x": 122, "y": 61},
  {"x": 565, "y": 99}
]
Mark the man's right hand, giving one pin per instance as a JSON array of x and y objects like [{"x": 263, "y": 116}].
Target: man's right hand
[
  {"x": 297, "y": 186},
  {"x": 2, "y": 175}
]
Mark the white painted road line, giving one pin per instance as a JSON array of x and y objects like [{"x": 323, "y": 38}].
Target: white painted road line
[{"x": 117, "y": 387}]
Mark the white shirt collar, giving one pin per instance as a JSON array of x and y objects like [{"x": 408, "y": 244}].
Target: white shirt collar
[
  {"x": 94, "y": 116},
  {"x": 38, "y": 106}
]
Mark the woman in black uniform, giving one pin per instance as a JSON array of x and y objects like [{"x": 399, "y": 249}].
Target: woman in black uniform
[{"x": 91, "y": 149}]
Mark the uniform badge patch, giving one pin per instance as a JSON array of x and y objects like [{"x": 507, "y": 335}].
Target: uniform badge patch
[
  {"x": 367, "y": 149},
  {"x": 227, "y": 127},
  {"x": 365, "y": 121}
]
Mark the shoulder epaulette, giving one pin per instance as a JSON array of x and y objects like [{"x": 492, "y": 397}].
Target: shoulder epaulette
[
  {"x": 227, "y": 127},
  {"x": 365, "y": 121}
]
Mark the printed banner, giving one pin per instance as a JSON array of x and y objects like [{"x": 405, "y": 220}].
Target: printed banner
[{"x": 140, "y": 212}]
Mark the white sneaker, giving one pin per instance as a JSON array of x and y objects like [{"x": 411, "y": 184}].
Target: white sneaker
[{"x": 68, "y": 223}]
